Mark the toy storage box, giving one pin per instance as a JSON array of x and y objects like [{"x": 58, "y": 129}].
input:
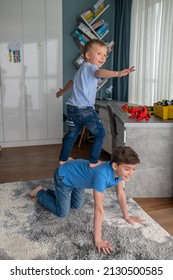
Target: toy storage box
[{"x": 164, "y": 112}]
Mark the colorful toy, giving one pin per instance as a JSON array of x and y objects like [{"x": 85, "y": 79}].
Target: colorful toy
[
  {"x": 137, "y": 113},
  {"x": 165, "y": 102}
]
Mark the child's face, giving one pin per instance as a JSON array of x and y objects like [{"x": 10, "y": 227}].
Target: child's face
[
  {"x": 97, "y": 55},
  {"x": 125, "y": 171}
]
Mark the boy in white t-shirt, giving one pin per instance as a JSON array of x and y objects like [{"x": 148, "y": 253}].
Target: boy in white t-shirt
[{"x": 80, "y": 106}]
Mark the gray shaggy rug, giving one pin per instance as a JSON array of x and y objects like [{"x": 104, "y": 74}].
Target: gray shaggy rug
[{"x": 31, "y": 232}]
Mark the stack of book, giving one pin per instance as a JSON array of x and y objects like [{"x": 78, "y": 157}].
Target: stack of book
[
  {"x": 78, "y": 61},
  {"x": 81, "y": 37},
  {"x": 88, "y": 16},
  {"x": 110, "y": 46},
  {"x": 92, "y": 13},
  {"x": 103, "y": 29},
  {"x": 98, "y": 8},
  {"x": 86, "y": 30},
  {"x": 97, "y": 24}
]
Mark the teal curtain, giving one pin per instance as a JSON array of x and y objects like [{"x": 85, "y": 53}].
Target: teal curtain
[{"x": 122, "y": 47}]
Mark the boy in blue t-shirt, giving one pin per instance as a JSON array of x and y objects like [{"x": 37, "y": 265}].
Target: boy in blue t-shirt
[
  {"x": 80, "y": 106},
  {"x": 72, "y": 178}
]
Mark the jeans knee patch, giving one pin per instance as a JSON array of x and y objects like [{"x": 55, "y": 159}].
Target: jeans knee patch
[{"x": 70, "y": 123}]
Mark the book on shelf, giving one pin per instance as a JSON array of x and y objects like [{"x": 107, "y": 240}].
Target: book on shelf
[
  {"x": 86, "y": 30},
  {"x": 81, "y": 37},
  {"x": 86, "y": 38},
  {"x": 110, "y": 46},
  {"x": 101, "y": 8},
  {"x": 88, "y": 15},
  {"x": 78, "y": 61},
  {"x": 101, "y": 30},
  {"x": 97, "y": 24},
  {"x": 98, "y": 6},
  {"x": 104, "y": 33}
]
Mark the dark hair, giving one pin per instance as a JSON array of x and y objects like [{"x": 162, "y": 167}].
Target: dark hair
[
  {"x": 125, "y": 155},
  {"x": 89, "y": 45}
]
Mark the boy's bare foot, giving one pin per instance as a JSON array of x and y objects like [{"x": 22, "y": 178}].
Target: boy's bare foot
[
  {"x": 92, "y": 165},
  {"x": 62, "y": 162},
  {"x": 34, "y": 192}
]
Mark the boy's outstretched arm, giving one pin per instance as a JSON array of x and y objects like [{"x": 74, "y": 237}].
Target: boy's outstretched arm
[
  {"x": 121, "y": 196},
  {"x": 61, "y": 91},
  {"x": 104, "y": 73},
  {"x": 102, "y": 245}
]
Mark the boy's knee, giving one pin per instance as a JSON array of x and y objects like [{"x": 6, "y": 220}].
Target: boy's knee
[
  {"x": 77, "y": 205},
  {"x": 62, "y": 214},
  {"x": 102, "y": 132}
]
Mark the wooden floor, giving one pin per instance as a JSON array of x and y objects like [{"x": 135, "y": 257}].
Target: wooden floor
[{"x": 38, "y": 162}]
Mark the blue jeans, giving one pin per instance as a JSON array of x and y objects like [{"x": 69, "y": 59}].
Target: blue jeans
[
  {"x": 62, "y": 199},
  {"x": 77, "y": 119}
]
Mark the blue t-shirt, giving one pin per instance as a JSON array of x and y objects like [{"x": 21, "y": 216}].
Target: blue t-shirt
[
  {"x": 84, "y": 86},
  {"x": 78, "y": 174}
]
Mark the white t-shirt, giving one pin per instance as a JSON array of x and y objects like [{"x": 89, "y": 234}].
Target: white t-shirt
[{"x": 84, "y": 86}]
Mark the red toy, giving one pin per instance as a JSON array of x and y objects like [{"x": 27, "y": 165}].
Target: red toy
[{"x": 137, "y": 113}]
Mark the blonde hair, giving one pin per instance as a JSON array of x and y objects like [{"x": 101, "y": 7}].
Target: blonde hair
[{"x": 89, "y": 45}]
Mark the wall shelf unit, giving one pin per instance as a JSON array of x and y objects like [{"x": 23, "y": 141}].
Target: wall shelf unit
[{"x": 93, "y": 21}]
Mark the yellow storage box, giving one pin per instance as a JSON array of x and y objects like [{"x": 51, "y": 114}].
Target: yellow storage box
[{"x": 164, "y": 112}]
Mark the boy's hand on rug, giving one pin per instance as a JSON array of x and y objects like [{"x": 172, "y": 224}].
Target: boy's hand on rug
[
  {"x": 134, "y": 219},
  {"x": 104, "y": 245}
]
